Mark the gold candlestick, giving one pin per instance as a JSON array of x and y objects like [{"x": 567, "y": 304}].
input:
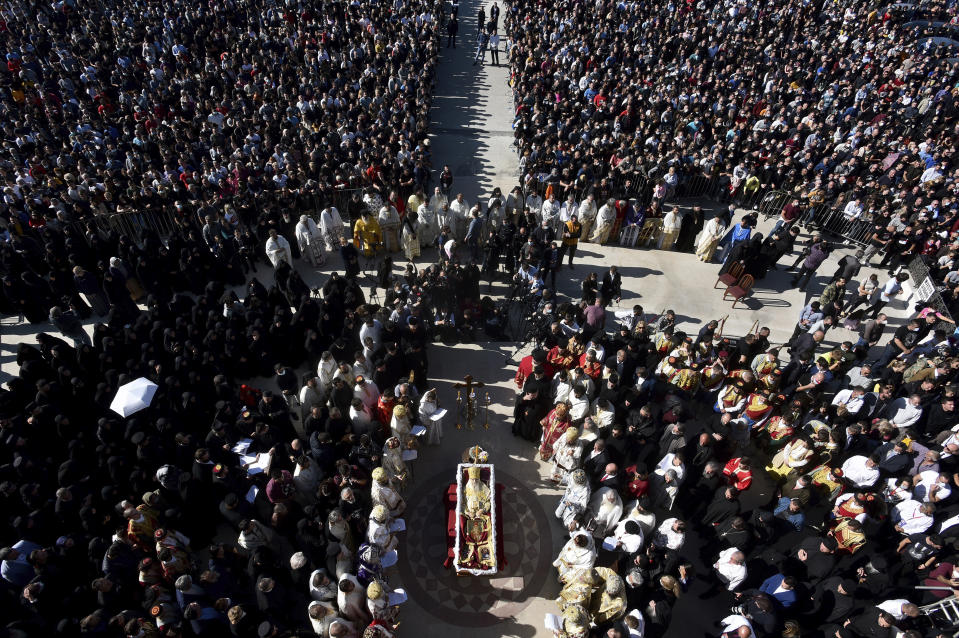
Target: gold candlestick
[
  {"x": 470, "y": 409},
  {"x": 459, "y": 403},
  {"x": 486, "y": 424}
]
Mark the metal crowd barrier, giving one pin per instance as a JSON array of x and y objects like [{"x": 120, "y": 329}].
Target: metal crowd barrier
[
  {"x": 832, "y": 220},
  {"x": 773, "y": 203},
  {"x": 133, "y": 225},
  {"x": 166, "y": 223}
]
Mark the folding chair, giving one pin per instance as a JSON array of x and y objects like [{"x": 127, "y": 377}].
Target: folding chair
[
  {"x": 741, "y": 290},
  {"x": 731, "y": 276}
]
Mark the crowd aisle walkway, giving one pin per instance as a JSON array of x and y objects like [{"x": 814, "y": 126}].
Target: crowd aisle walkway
[
  {"x": 471, "y": 124},
  {"x": 471, "y": 132}
]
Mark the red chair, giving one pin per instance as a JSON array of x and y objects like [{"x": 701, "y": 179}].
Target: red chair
[
  {"x": 741, "y": 290},
  {"x": 731, "y": 276}
]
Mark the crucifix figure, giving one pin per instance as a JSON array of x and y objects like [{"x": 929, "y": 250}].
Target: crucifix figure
[{"x": 471, "y": 405}]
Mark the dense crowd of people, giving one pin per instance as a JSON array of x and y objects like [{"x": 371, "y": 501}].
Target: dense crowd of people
[
  {"x": 286, "y": 134},
  {"x": 221, "y": 509},
  {"x": 815, "y": 485},
  {"x": 830, "y": 102},
  {"x": 231, "y": 111}
]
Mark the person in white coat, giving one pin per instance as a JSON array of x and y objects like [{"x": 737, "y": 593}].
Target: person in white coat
[
  {"x": 607, "y": 509},
  {"x": 278, "y": 249},
  {"x": 535, "y": 204},
  {"x": 409, "y": 236},
  {"x": 579, "y": 553},
  {"x": 514, "y": 203},
  {"x": 438, "y": 201},
  {"x": 672, "y": 222},
  {"x": 575, "y": 499},
  {"x": 321, "y": 587},
  {"x": 568, "y": 209},
  {"x": 351, "y": 600},
  {"x": 310, "y": 241},
  {"x": 389, "y": 219},
  {"x": 428, "y": 227},
  {"x": 321, "y": 615},
  {"x": 731, "y": 567},
  {"x": 605, "y": 219},
  {"x": 340, "y": 628},
  {"x": 495, "y": 215},
  {"x": 446, "y": 218},
  {"x": 587, "y": 216},
  {"x": 382, "y": 493},
  {"x": 325, "y": 371},
  {"x": 378, "y": 531},
  {"x": 567, "y": 453},
  {"x": 709, "y": 239},
  {"x": 429, "y": 406},
  {"x": 331, "y": 225},
  {"x": 549, "y": 212},
  {"x": 460, "y": 212},
  {"x": 373, "y": 201}
]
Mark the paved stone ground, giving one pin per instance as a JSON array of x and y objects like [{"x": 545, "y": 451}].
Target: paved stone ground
[{"x": 472, "y": 133}]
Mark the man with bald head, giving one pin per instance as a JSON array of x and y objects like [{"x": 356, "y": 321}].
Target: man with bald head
[
  {"x": 611, "y": 477},
  {"x": 731, "y": 568},
  {"x": 736, "y": 626}
]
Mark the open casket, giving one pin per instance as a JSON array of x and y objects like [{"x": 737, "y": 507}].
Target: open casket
[{"x": 477, "y": 546}]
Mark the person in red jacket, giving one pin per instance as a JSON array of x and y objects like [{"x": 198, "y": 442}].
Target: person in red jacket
[
  {"x": 525, "y": 369},
  {"x": 739, "y": 473}
]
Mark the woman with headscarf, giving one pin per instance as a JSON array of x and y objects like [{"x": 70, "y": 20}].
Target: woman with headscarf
[
  {"x": 29, "y": 295},
  {"x": 689, "y": 227},
  {"x": 754, "y": 260}
]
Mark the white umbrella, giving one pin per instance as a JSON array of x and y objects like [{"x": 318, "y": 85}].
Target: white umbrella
[{"x": 133, "y": 396}]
